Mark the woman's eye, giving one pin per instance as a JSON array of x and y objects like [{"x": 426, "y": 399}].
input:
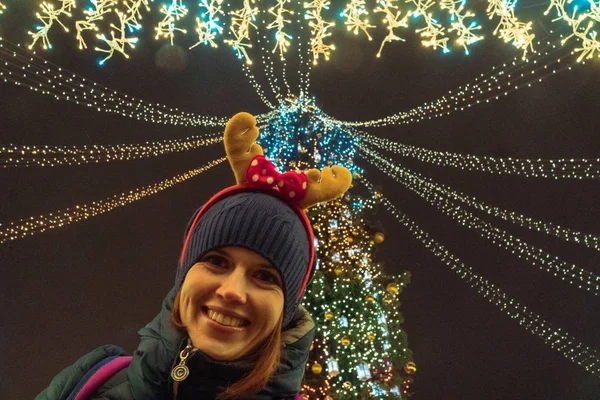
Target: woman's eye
[
  {"x": 267, "y": 276},
  {"x": 215, "y": 260}
]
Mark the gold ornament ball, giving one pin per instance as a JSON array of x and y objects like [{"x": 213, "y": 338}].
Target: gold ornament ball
[
  {"x": 345, "y": 340},
  {"x": 316, "y": 368},
  {"x": 392, "y": 288},
  {"x": 410, "y": 367},
  {"x": 379, "y": 237},
  {"x": 370, "y": 299},
  {"x": 371, "y": 336},
  {"x": 349, "y": 239},
  {"x": 328, "y": 398},
  {"x": 387, "y": 300},
  {"x": 347, "y": 385},
  {"x": 305, "y": 397},
  {"x": 338, "y": 271},
  {"x": 328, "y": 316}
]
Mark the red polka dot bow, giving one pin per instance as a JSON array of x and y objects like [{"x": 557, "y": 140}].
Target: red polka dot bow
[{"x": 261, "y": 173}]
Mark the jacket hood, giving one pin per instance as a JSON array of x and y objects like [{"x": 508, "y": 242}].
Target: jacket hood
[{"x": 149, "y": 374}]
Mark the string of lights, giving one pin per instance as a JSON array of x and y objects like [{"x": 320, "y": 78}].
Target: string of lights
[
  {"x": 510, "y": 28},
  {"x": 2, "y": 7},
  {"x": 24, "y": 68},
  {"x": 282, "y": 38},
  {"x": 558, "y": 339},
  {"x": 208, "y": 25},
  {"x": 173, "y": 14},
  {"x": 567, "y": 272},
  {"x": 118, "y": 33},
  {"x": 465, "y": 32},
  {"x": 38, "y": 224},
  {"x": 433, "y": 32},
  {"x": 267, "y": 62},
  {"x": 393, "y": 19},
  {"x": 502, "y": 80},
  {"x": 549, "y": 228},
  {"x": 47, "y": 16},
  {"x": 241, "y": 22},
  {"x": 562, "y": 168},
  {"x": 304, "y": 66},
  {"x": 577, "y": 21},
  {"x": 319, "y": 29},
  {"x": 13, "y": 156}
]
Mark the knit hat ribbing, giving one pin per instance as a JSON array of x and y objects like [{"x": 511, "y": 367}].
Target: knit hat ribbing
[{"x": 260, "y": 222}]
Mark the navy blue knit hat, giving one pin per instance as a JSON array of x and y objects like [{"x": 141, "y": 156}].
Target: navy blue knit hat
[{"x": 260, "y": 222}]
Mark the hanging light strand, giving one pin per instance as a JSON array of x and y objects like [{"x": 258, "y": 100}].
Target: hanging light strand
[
  {"x": 567, "y": 272},
  {"x": 13, "y": 156},
  {"x": 549, "y": 228},
  {"x": 500, "y": 81},
  {"x": 21, "y": 67},
  {"x": 168, "y": 26},
  {"x": 304, "y": 66},
  {"x": 2, "y": 7},
  {"x": 47, "y": 16},
  {"x": 510, "y": 29},
  {"x": 119, "y": 34},
  {"x": 38, "y": 224},
  {"x": 558, "y": 339},
  {"x": 319, "y": 28},
  {"x": 265, "y": 55},
  {"x": 562, "y": 168}
]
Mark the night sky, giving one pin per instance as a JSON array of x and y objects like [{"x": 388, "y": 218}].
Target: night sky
[{"x": 69, "y": 290}]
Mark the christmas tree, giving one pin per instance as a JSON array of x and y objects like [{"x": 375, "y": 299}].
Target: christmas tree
[{"x": 360, "y": 350}]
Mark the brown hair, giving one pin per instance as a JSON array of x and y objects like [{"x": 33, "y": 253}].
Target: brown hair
[{"x": 265, "y": 358}]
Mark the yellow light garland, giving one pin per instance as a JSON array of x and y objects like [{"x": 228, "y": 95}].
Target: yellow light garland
[
  {"x": 282, "y": 39},
  {"x": 94, "y": 14},
  {"x": 319, "y": 29},
  {"x": 25, "y": 68},
  {"x": 53, "y": 156},
  {"x": 566, "y": 344},
  {"x": 568, "y": 272},
  {"x": 47, "y": 17},
  {"x": 33, "y": 225},
  {"x": 172, "y": 15},
  {"x": 208, "y": 27},
  {"x": 353, "y": 13},
  {"x": 510, "y": 29},
  {"x": 466, "y": 33},
  {"x": 434, "y": 32},
  {"x": 241, "y": 21},
  {"x": 127, "y": 13},
  {"x": 392, "y": 20},
  {"x": 503, "y": 79},
  {"x": 562, "y": 168}
]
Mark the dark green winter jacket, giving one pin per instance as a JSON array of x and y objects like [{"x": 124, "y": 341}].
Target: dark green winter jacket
[{"x": 148, "y": 376}]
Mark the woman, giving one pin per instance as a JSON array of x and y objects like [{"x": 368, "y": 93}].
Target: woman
[{"x": 231, "y": 326}]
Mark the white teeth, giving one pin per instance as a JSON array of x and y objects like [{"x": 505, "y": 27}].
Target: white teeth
[{"x": 224, "y": 320}]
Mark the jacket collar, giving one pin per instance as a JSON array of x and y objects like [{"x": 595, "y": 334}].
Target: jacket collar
[{"x": 160, "y": 344}]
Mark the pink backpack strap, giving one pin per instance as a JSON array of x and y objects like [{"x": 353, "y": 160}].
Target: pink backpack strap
[{"x": 102, "y": 375}]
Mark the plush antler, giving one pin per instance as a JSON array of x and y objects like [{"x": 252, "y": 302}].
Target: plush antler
[
  {"x": 241, "y": 148},
  {"x": 326, "y": 185},
  {"x": 240, "y": 137}
]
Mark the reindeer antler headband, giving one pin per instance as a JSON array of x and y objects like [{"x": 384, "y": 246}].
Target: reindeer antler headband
[{"x": 251, "y": 168}]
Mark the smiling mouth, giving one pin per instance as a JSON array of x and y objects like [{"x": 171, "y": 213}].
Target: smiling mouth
[{"x": 224, "y": 320}]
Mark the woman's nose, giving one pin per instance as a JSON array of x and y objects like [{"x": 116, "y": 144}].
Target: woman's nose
[{"x": 233, "y": 287}]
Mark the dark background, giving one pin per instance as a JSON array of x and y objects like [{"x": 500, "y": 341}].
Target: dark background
[{"x": 69, "y": 290}]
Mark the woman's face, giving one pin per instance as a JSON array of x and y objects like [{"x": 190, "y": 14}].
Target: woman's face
[{"x": 230, "y": 302}]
